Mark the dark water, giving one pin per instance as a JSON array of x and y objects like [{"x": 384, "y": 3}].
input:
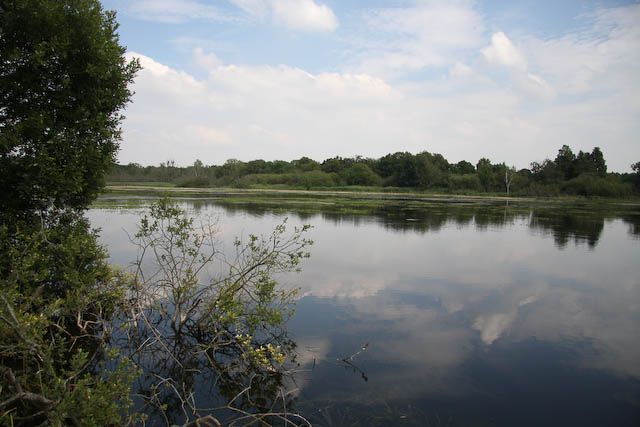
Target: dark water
[{"x": 476, "y": 315}]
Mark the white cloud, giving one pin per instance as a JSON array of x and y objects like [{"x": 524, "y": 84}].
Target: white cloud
[
  {"x": 408, "y": 39},
  {"x": 175, "y": 11},
  {"x": 255, "y": 111},
  {"x": 472, "y": 110},
  {"x": 503, "y": 52},
  {"x": 306, "y": 15},
  {"x": 205, "y": 60},
  {"x": 492, "y": 326},
  {"x": 461, "y": 70},
  {"x": 605, "y": 55}
]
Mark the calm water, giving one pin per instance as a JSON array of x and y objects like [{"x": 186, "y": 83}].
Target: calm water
[{"x": 473, "y": 314}]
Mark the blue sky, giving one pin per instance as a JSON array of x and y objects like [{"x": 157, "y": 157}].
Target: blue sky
[{"x": 280, "y": 79}]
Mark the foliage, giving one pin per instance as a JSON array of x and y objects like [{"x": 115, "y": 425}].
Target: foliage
[
  {"x": 422, "y": 171},
  {"x": 360, "y": 174},
  {"x": 58, "y": 298},
  {"x": 635, "y": 178},
  {"x": 63, "y": 81},
  {"x": 593, "y": 185},
  {"x": 306, "y": 180},
  {"x": 469, "y": 182},
  {"x": 189, "y": 323},
  {"x": 485, "y": 174}
]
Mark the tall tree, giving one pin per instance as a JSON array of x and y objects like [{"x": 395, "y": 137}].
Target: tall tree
[
  {"x": 599, "y": 164},
  {"x": 565, "y": 161},
  {"x": 63, "y": 82},
  {"x": 485, "y": 173}
]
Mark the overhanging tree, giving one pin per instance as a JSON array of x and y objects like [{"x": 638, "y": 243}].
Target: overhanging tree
[{"x": 63, "y": 83}]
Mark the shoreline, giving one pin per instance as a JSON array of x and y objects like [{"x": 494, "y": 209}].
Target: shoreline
[{"x": 412, "y": 196}]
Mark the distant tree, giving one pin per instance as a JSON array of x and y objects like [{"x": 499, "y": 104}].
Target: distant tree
[
  {"x": 197, "y": 167},
  {"x": 63, "y": 83},
  {"x": 636, "y": 176},
  {"x": 565, "y": 162},
  {"x": 336, "y": 164},
  {"x": 485, "y": 173},
  {"x": 305, "y": 164},
  {"x": 360, "y": 174},
  {"x": 399, "y": 168},
  {"x": 509, "y": 174},
  {"x": 546, "y": 172},
  {"x": 257, "y": 166},
  {"x": 280, "y": 166},
  {"x": 431, "y": 170},
  {"x": 599, "y": 163},
  {"x": 583, "y": 164},
  {"x": 232, "y": 168},
  {"x": 463, "y": 167}
]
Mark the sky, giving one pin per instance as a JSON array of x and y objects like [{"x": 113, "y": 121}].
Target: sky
[{"x": 280, "y": 79}]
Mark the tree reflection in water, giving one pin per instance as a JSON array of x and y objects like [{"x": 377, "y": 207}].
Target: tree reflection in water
[{"x": 581, "y": 223}]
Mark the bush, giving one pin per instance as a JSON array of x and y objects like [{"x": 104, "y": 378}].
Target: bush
[
  {"x": 595, "y": 186},
  {"x": 464, "y": 182},
  {"x": 190, "y": 321},
  {"x": 360, "y": 174},
  {"x": 194, "y": 182},
  {"x": 307, "y": 180},
  {"x": 58, "y": 298}
]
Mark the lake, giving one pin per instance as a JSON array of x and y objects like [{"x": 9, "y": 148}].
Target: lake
[{"x": 438, "y": 313}]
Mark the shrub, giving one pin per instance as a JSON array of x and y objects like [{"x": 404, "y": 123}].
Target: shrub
[
  {"x": 464, "y": 182},
  {"x": 194, "y": 182},
  {"x": 360, "y": 174},
  {"x": 594, "y": 186}
]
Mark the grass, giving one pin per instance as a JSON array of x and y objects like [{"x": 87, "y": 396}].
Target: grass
[
  {"x": 143, "y": 184},
  {"x": 349, "y": 193}
]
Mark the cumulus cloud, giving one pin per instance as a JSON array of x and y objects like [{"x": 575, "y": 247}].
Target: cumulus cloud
[
  {"x": 473, "y": 109},
  {"x": 256, "y": 111},
  {"x": 503, "y": 52},
  {"x": 306, "y": 15}
]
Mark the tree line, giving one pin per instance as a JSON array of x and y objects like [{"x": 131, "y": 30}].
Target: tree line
[{"x": 584, "y": 173}]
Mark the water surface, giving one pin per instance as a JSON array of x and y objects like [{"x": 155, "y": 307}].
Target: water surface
[{"x": 471, "y": 314}]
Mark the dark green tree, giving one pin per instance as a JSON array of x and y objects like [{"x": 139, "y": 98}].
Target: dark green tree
[
  {"x": 565, "y": 161},
  {"x": 305, "y": 164},
  {"x": 257, "y": 166},
  {"x": 360, "y": 174},
  {"x": 546, "y": 172},
  {"x": 599, "y": 164},
  {"x": 636, "y": 176},
  {"x": 336, "y": 164},
  {"x": 463, "y": 167},
  {"x": 63, "y": 81},
  {"x": 431, "y": 170},
  {"x": 485, "y": 173},
  {"x": 399, "y": 169}
]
